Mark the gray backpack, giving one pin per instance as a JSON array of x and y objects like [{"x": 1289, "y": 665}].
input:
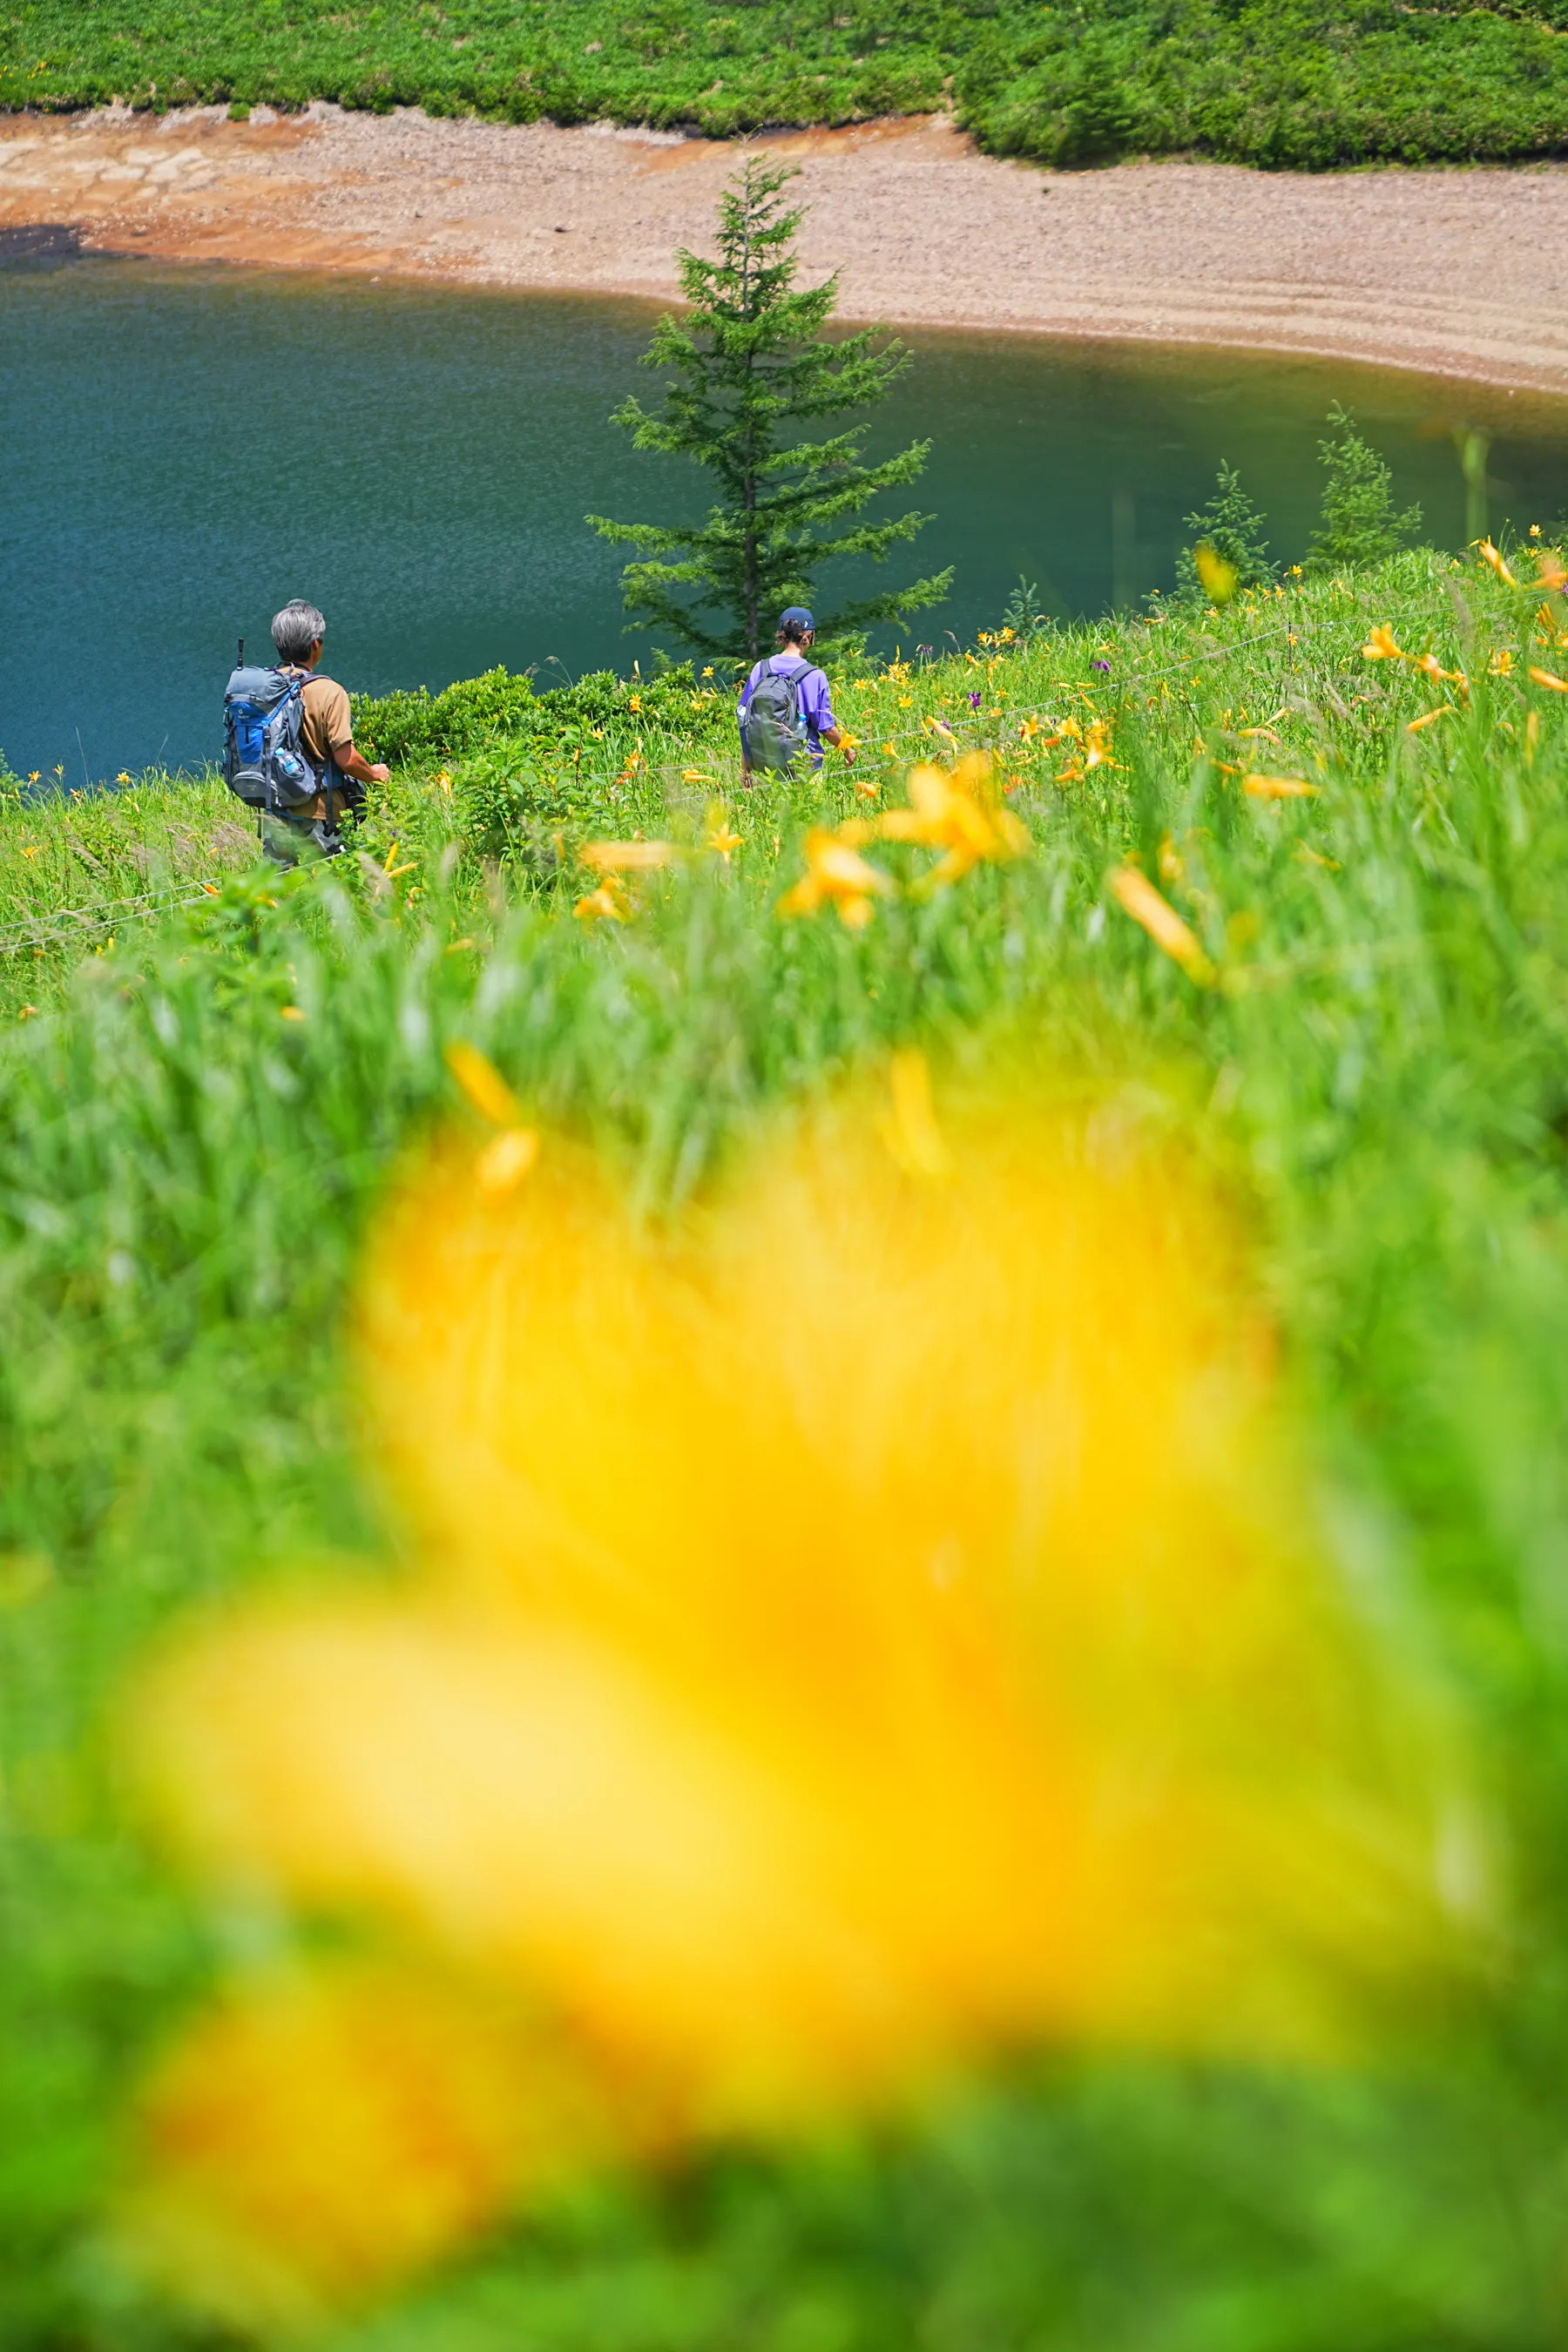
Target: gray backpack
[
  {"x": 775, "y": 731},
  {"x": 263, "y": 764}
]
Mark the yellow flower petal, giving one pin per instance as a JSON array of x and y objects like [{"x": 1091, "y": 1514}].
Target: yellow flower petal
[
  {"x": 483, "y": 1084},
  {"x": 507, "y": 1158},
  {"x": 1278, "y": 788},
  {"x": 626, "y": 856},
  {"x": 319, "y": 2135},
  {"x": 1138, "y": 897}
]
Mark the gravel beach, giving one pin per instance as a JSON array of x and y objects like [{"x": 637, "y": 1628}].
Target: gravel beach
[{"x": 1454, "y": 272}]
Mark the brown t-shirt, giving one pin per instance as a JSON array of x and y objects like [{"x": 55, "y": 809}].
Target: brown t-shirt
[{"x": 327, "y": 723}]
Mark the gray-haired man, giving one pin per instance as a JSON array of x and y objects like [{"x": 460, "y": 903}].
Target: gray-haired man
[{"x": 326, "y": 730}]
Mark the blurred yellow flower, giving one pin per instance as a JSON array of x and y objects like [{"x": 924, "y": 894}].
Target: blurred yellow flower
[
  {"x": 1218, "y": 578},
  {"x": 837, "y": 876},
  {"x": 1491, "y": 557},
  {"x": 320, "y": 2133},
  {"x": 626, "y": 856},
  {"x": 1137, "y": 896},
  {"x": 1550, "y": 572},
  {"x": 483, "y": 1084},
  {"x": 1380, "y": 645},
  {"x": 981, "y": 1686},
  {"x": 607, "y": 904},
  {"x": 958, "y": 811},
  {"x": 1278, "y": 788},
  {"x": 1547, "y": 677},
  {"x": 1429, "y": 718}
]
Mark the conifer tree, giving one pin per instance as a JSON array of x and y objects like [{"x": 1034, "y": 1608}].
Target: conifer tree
[
  {"x": 749, "y": 361},
  {"x": 1359, "y": 524},
  {"x": 1233, "y": 527}
]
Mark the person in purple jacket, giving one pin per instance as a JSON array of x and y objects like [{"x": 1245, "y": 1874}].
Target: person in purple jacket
[{"x": 784, "y": 707}]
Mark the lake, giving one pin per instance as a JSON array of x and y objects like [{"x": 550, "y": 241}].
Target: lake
[{"x": 185, "y": 449}]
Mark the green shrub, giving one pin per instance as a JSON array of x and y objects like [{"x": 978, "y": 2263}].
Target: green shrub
[
  {"x": 1233, "y": 527},
  {"x": 1359, "y": 524}
]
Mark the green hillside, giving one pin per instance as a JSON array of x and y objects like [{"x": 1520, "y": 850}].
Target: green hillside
[
  {"x": 1304, "y": 85},
  {"x": 208, "y": 1073}
]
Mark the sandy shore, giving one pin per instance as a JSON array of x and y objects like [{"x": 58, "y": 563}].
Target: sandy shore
[{"x": 1461, "y": 273}]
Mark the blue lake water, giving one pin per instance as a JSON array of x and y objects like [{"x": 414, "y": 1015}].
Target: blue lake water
[{"x": 182, "y": 450}]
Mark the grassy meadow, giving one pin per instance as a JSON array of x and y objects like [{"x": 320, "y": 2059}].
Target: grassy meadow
[
  {"x": 1358, "y": 1016},
  {"x": 1303, "y": 86}
]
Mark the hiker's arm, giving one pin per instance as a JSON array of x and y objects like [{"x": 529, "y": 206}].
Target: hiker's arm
[
  {"x": 835, "y": 735},
  {"x": 352, "y": 764}
]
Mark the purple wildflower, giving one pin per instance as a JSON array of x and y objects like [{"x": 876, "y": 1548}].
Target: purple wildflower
[
  {"x": 1100, "y": 664},
  {"x": 974, "y": 702}
]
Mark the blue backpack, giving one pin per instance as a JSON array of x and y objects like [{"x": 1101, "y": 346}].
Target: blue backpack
[{"x": 263, "y": 764}]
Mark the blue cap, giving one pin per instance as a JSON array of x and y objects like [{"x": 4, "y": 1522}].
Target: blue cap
[{"x": 797, "y": 613}]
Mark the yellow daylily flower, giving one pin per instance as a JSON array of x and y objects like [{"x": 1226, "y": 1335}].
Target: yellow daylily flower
[
  {"x": 1429, "y": 718},
  {"x": 626, "y": 856},
  {"x": 1217, "y": 577},
  {"x": 1380, "y": 645},
  {"x": 1034, "y": 1716},
  {"x": 1550, "y": 572},
  {"x": 1278, "y": 788},
  {"x": 1501, "y": 663},
  {"x": 1137, "y": 896},
  {"x": 958, "y": 811},
  {"x": 607, "y": 904},
  {"x": 1547, "y": 677},
  {"x": 837, "y": 876},
  {"x": 483, "y": 1084},
  {"x": 719, "y": 836},
  {"x": 321, "y": 2133},
  {"x": 1490, "y": 556}
]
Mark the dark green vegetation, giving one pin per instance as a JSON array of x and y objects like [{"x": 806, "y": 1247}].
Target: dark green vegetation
[
  {"x": 187, "y": 1175},
  {"x": 1232, "y": 527},
  {"x": 1303, "y": 84},
  {"x": 748, "y": 364},
  {"x": 1361, "y": 523}
]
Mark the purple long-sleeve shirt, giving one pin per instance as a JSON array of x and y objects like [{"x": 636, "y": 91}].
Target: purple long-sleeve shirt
[{"x": 815, "y": 708}]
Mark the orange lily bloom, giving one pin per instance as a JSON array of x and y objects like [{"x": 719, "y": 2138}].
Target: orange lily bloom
[
  {"x": 1546, "y": 678},
  {"x": 958, "y": 811},
  {"x": 1490, "y": 556},
  {"x": 626, "y": 856},
  {"x": 1278, "y": 788},
  {"x": 983, "y": 1689},
  {"x": 607, "y": 904},
  {"x": 1137, "y": 896},
  {"x": 837, "y": 876},
  {"x": 1380, "y": 645}
]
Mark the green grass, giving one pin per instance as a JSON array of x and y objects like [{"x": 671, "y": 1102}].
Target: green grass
[
  {"x": 186, "y": 1179},
  {"x": 1302, "y": 85}
]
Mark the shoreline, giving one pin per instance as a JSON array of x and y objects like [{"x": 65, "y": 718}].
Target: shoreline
[{"x": 1375, "y": 268}]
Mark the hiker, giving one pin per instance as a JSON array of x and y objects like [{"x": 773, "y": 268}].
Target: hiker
[
  {"x": 290, "y": 750},
  {"x": 784, "y": 707},
  {"x": 327, "y": 728}
]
